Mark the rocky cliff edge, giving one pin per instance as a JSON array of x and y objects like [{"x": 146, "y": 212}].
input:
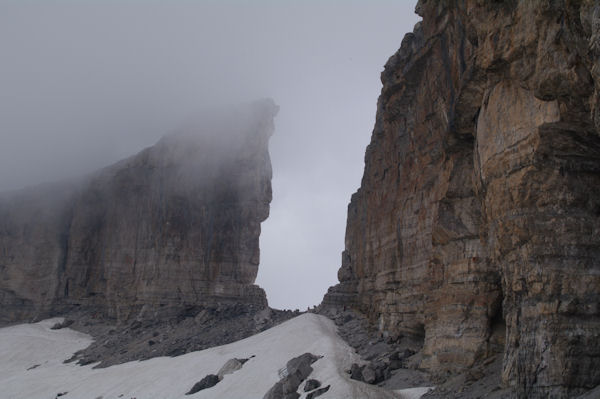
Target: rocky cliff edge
[
  {"x": 174, "y": 226},
  {"x": 476, "y": 228}
]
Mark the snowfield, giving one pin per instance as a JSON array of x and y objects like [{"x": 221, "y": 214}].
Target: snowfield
[{"x": 32, "y": 355}]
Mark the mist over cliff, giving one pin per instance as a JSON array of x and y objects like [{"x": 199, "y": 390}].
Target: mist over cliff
[
  {"x": 176, "y": 225},
  {"x": 88, "y": 83},
  {"x": 472, "y": 247}
]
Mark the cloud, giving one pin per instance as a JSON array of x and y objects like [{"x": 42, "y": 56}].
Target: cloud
[{"x": 87, "y": 83}]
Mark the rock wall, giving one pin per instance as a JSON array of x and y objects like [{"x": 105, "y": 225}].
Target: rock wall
[
  {"x": 477, "y": 223},
  {"x": 176, "y": 225}
]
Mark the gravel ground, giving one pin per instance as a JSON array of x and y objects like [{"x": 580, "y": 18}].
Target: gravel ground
[
  {"x": 399, "y": 361},
  {"x": 193, "y": 329}
]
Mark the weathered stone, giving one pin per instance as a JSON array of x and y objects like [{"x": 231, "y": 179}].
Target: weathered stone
[
  {"x": 209, "y": 326},
  {"x": 63, "y": 324},
  {"x": 368, "y": 375},
  {"x": 296, "y": 371},
  {"x": 311, "y": 384},
  {"x": 318, "y": 392},
  {"x": 477, "y": 223},
  {"x": 276, "y": 391},
  {"x": 230, "y": 367},
  {"x": 175, "y": 225},
  {"x": 301, "y": 365},
  {"x": 356, "y": 372},
  {"x": 395, "y": 364},
  {"x": 207, "y": 382}
]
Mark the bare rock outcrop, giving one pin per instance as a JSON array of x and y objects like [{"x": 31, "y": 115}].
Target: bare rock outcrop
[
  {"x": 292, "y": 375},
  {"x": 174, "y": 226},
  {"x": 477, "y": 223}
]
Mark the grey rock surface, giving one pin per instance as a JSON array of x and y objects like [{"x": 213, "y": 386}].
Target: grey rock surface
[
  {"x": 356, "y": 372},
  {"x": 174, "y": 226},
  {"x": 311, "y": 385},
  {"x": 591, "y": 394},
  {"x": 207, "y": 382},
  {"x": 476, "y": 228},
  {"x": 230, "y": 367},
  {"x": 296, "y": 371},
  {"x": 368, "y": 374},
  {"x": 318, "y": 392},
  {"x": 192, "y": 330}
]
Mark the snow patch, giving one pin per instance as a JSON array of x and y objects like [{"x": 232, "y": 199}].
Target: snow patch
[{"x": 27, "y": 345}]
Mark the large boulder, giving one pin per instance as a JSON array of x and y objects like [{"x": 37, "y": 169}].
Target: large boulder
[
  {"x": 295, "y": 372},
  {"x": 207, "y": 382}
]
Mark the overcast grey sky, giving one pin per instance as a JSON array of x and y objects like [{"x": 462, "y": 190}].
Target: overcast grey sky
[{"x": 85, "y": 83}]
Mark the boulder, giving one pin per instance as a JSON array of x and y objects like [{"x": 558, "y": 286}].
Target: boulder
[
  {"x": 231, "y": 366},
  {"x": 296, "y": 371},
  {"x": 311, "y": 385},
  {"x": 318, "y": 392},
  {"x": 356, "y": 372},
  {"x": 368, "y": 375},
  {"x": 207, "y": 382}
]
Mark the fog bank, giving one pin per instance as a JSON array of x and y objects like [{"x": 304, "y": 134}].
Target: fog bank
[{"x": 85, "y": 84}]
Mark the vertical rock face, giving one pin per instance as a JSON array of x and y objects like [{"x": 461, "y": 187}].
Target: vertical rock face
[
  {"x": 477, "y": 223},
  {"x": 177, "y": 224}
]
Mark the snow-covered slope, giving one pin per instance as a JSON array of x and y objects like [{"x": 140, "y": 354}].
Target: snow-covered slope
[{"x": 31, "y": 366}]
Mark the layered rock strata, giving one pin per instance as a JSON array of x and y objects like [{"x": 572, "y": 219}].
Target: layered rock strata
[
  {"x": 477, "y": 223},
  {"x": 176, "y": 225}
]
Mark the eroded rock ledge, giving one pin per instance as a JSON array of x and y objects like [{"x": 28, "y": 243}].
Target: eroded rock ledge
[
  {"x": 477, "y": 223},
  {"x": 172, "y": 227}
]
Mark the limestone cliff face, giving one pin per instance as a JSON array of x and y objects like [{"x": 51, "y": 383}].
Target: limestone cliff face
[
  {"x": 176, "y": 225},
  {"x": 477, "y": 223}
]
